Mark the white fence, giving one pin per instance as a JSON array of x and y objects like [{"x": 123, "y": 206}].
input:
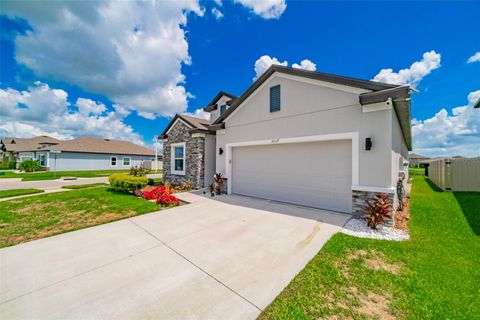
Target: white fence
[
  {"x": 454, "y": 174},
  {"x": 150, "y": 165}
]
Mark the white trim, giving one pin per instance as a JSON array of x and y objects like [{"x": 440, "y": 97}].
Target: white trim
[
  {"x": 372, "y": 189},
  {"x": 379, "y": 106},
  {"x": 353, "y": 136},
  {"x": 173, "y": 125},
  {"x": 222, "y": 131},
  {"x": 116, "y": 161},
  {"x": 198, "y": 135},
  {"x": 172, "y": 158},
  {"x": 129, "y": 162}
]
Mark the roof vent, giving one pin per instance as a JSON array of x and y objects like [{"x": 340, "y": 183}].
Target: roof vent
[{"x": 106, "y": 139}]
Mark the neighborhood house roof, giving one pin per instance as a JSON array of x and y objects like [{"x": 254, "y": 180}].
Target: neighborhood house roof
[
  {"x": 82, "y": 144},
  {"x": 417, "y": 156},
  {"x": 195, "y": 123},
  {"x": 213, "y": 104}
]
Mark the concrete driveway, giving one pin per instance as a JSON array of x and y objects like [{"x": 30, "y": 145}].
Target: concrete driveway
[{"x": 221, "y": 258}]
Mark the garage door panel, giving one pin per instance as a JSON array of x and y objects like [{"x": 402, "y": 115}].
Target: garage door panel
[{"x": 316, "y": 174}]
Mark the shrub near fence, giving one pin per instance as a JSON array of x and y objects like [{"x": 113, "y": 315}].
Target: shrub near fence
[
  {"x": 452, "y": 174},
  {"x": 126, "y": 183}
]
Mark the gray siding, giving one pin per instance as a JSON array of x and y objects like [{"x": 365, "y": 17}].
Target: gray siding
[{"x": 70, "y": 161}]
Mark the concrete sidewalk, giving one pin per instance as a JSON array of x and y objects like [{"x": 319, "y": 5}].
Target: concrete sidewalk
[
  {"x": 16, "y": 183},
  {"x": 226, "y": 257}
]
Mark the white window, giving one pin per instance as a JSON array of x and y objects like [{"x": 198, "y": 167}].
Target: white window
[
  {"x": 126, "y": 161},
  {"x": 42, "y": 158},
  {"x": 113, "y": 161},
  {"x": 177, "y": 158}
]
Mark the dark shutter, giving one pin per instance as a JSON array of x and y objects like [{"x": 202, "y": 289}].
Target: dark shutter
[{"x": 275, "y": 98}]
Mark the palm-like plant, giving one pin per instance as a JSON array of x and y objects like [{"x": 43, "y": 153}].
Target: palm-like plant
[{"x": 378, "y": 210}]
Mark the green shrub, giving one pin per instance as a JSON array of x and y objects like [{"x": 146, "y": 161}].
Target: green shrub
[
  {"x": 8, "y": 165},
  {"x": 29, "y": 165},
  {"x": 126, "y": 183}
]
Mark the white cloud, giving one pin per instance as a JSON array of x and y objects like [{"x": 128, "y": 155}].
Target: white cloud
[
  {"x": 264, "y": 62},
  {"x": 88, "y": 106},
  {"x": 267, "y": 9},
  {"x": 41, "y": 110},
  {"x": 449, "y": 134},
  {"x": 199, "y": 113},
  {"x": 217, "y": 13},
  {"x": 474, "y": 58},
  {"x": 305, "y": 65},
  {"x": 413, "y": 75},
  {"x": 130, "y": 51}
]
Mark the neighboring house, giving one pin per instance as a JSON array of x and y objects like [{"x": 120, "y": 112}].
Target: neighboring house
[
  {"x": 417, "y": 160},
  {"x": 300, "y": 137},
  {"x": 77, "y": 154}
]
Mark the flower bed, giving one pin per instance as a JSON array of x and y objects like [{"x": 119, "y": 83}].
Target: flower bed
[{"x": 163, "y": 195}]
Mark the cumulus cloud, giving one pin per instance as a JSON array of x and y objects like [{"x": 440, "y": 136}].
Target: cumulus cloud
[
  {"x": 41, "y": 110},
  {"x": 217, "y": 13},
  {"x": 447, "y": 134},
  {"x": 265, "y": 61},
  {"x": 130, "y": 51},
  {"x": 267, "y": 9},
  {"x": 413, "y": 75},
  {"x": 474, "y": 58},
  {"x": 305, "y": 65}
]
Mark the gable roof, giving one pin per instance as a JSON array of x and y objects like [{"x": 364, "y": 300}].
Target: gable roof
[
  {"x": 416, "y": 156},
  {"x": 347, "y": 81},
  {"x": 212, "y": 105},
  {"x": 82, "y": 144},
  {"x": 378, "y": 92},
  {"x": 193, "y": 122},
  {"x": 15, "y": 144}
]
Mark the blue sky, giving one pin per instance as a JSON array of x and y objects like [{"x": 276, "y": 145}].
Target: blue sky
[{"x": 121, "y": 70}]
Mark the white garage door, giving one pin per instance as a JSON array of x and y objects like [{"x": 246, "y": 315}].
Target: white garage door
[{"x": 315, "y": 174}]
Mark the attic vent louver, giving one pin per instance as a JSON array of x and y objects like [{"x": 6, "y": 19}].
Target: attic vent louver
[{"x": 106, "y": 139}]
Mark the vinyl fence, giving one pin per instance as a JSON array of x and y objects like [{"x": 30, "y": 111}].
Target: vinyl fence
[
  {"x": 452, "y": 174},
  {"x": 148, "y": 164}
]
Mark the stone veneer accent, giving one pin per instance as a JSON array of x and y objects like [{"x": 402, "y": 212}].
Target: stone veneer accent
[
  {"x": 194, "y": 156},
  {"x": 359, "y": 201}
]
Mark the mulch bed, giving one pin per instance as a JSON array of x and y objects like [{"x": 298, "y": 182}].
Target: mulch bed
[{"x": 402, "y": 217}]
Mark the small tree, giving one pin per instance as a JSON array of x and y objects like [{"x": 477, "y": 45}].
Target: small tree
[
  {"x": 218, "y": 178},
  {"x": 29, "y": 165},
  {"x": 377, "y": 210}
]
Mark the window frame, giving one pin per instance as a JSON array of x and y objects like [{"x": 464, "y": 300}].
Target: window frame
[
  {"x": 279, "y": 98},
  {"x": 116, "y": 161},
  {"x": 129, "y": 161},
  {"x": 173, "y": 158},
  {"x": 224, "y": 107}
]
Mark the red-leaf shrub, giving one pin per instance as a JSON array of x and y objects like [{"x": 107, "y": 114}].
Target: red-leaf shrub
[
  {"x": 378, "y": 210},
  {"x": 163, "y": 195}
]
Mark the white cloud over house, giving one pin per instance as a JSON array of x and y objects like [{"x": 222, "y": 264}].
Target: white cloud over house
[
  {"x": 267, "y": 9},
  {"x": 41, "y": 110},
  {"x": 447, "y": 134},
  {"x": 412, "y": 75},
  {"x": 474, "y": 58},
  {"x": 265, "y": 61},
  {"x": 217, "y": 13}
]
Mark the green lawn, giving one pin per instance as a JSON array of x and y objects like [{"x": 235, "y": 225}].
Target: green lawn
[
  {"x": 18, "y": 192},
  {"x": 30, "y": 218},
  {"x": 49, "y": 175},
  {"x": 435, "y": 275},
  {"x": 85, "y": 186},
  {"x": 416, "y": 171}
]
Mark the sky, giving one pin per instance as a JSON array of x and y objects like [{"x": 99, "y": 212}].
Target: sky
[{"x": 122, "y": 69}]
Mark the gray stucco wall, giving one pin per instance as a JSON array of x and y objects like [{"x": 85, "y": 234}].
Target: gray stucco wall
[
  {"x": 210, "y": 158},
  {"x": 69, "y": 161},
  {"x": 308, "y": 109}
]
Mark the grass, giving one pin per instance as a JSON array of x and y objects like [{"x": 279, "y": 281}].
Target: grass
[
  {"x": 18, "y": 192},
  {"x": 157, "y": 181},
  {"x": 416, "y": 171},
  {"x": 31, "y": 218},
  {"x": 435, "y": 275},
  {"x": 85, "y": 186},
  {"x": 49, "y": 175}
]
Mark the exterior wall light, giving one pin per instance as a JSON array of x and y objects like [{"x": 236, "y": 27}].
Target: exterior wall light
[
  {"x": 220, "y": 151},
  {"x": 368, "y": 143}
]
